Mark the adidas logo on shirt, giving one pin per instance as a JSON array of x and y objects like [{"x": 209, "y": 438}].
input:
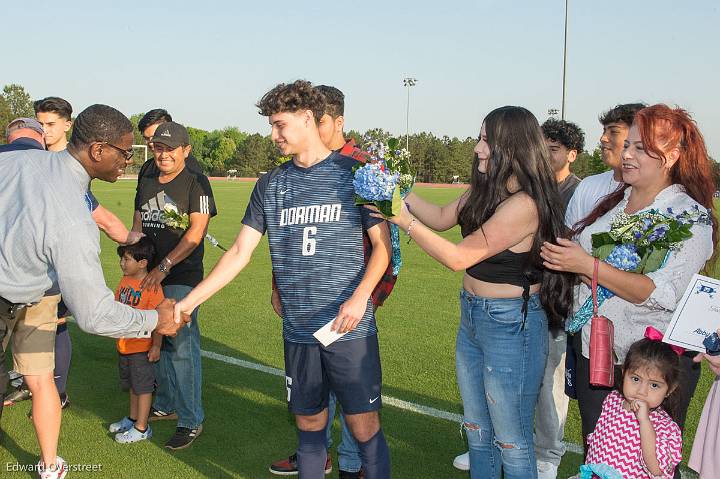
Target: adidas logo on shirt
[{"x": 152, "y": 212}]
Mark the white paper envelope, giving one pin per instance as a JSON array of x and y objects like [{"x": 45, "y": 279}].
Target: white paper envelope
[
  {"x": 326, "y": 336},
  {"x": 697, "y": 315}
]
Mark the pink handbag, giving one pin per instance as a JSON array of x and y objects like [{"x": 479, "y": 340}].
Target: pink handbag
[{"x": 602, "y": 340}]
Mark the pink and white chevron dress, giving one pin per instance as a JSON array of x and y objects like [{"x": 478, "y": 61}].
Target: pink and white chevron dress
[{"x": 616, "y": 441}]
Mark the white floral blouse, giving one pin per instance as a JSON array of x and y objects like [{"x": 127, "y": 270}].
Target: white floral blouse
[{"x": 630, "y": 320}]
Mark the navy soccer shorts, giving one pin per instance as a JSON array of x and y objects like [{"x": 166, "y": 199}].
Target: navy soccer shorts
[{"x": 350, "y": 369}]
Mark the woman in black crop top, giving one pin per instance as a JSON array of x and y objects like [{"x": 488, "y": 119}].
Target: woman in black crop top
[{"x": 507, "y": 299}]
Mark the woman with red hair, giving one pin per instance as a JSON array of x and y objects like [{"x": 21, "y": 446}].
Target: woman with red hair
[{"x": 665, "y": 167}]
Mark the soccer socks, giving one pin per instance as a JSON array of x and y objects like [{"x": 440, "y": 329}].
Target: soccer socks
[
  {"x": 311, "y": 454},
  {"x": 63, "y": 352},
  {"x": 376, "y": 457}
]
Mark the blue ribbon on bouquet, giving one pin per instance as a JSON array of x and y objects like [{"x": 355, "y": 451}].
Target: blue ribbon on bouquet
[
  {"x": 395, "y": 242},
  {"x": 395, "y": 239}
]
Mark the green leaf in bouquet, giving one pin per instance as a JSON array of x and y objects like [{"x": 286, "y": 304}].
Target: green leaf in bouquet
[
  {"x": 654, "y": 260},
  {"x": 603, "y": 251},
  {"x": 602, "y": 239},
  {"x": 643, "y": 259},
  {"x": 359, "y": 200},
  {"x": 393, "y": 143},
  {"x": 396, "y": 202},
  {"x": 385, "y": 207}
]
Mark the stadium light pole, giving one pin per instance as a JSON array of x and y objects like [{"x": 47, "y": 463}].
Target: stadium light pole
[
  {"x": 408, "y": 82},
  {"x": 562, "y": 109}
]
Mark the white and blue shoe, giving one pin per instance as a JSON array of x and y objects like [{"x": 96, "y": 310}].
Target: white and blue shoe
[
  {"x": 124, "y": 424},
  {"x": 133, "y": 435}
]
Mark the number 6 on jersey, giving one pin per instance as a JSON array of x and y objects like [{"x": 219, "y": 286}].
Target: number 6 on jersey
[{"x": 308, "y": 247}]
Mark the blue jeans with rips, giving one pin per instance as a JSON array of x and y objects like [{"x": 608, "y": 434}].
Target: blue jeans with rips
[
  {"x": 179, "y": 370},
  {"x": 500, "y": 361},
  {"x": 348, "y": 451}
]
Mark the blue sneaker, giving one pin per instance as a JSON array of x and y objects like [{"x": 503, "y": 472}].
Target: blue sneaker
[
  {"x": 133, "y": 435},
  {"x": 122, "y": 425}
]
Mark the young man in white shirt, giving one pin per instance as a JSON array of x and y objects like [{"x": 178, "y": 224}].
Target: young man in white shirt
[{"x": 616, "y": 124}]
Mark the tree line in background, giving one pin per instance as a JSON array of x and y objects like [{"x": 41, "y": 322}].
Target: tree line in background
[{"x": 436, "y": 160}]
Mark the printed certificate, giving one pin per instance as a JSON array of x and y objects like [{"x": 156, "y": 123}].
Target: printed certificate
[{"x": 697, "y": 314}]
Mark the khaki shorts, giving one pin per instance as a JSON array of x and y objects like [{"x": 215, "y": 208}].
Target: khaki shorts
[{"x": 32, "y": 337}]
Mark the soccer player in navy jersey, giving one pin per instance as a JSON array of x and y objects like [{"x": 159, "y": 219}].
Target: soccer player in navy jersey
[{"x": 315, "y": 233}]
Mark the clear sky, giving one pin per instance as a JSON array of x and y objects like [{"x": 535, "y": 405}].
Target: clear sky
[{"x": 209, "y": 61}]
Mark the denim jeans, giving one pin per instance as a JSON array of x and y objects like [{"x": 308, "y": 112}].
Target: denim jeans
[
  {"x": 179, "y": 372},
  {"x": 348, "y": 450},
  {"x": 500, "y": 360}
]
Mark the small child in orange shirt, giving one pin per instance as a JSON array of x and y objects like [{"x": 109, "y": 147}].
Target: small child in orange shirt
[{"x": 137, "y": 355}]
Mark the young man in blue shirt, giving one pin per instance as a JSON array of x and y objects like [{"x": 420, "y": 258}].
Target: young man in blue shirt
[{"x": 315, "y": 233}]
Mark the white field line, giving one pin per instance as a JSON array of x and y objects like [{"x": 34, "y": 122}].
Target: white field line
[{"x": 389, "y": 400}]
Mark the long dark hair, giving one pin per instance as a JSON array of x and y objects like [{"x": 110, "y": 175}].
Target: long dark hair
[
  {"x": 518, "y": 151},
  {"x": 659, "y": 355}
]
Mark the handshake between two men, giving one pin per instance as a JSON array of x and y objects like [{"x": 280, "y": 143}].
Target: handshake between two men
[{"x": 167, "y": 325}]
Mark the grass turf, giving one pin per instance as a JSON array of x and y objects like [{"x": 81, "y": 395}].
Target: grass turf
[{"x": 247, "y": 424}]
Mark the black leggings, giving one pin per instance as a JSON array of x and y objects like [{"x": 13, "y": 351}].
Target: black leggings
[{"x": 63, "y": 353}]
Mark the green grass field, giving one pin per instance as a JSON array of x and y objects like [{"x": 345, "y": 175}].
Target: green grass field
[{"x": 247, "y": 423}]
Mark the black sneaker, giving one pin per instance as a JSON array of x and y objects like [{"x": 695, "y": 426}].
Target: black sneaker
[
  {"x": 352, "y": 475},
  {"x": 183, "y": 437},
  {"x": 158, "y": 415}
]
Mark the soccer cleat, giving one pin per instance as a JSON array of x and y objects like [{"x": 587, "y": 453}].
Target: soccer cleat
[
  {"x": 288, "y": 467},
  {"x": 133, "y": 435},
  {"x": 158, "y": 415},
  {"x": 462, "y": 462},
  {"x": 285, "y": 467},
  {"x": 183, "y": 437},
  {"x": 124, "y": 424}
]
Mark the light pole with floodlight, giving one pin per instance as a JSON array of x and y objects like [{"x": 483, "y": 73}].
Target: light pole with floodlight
[{"x": 408, "y": 82}]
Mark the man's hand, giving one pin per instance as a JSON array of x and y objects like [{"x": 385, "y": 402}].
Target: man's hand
[
  {"x": 350, "y": 314},
  {"x": 154, "y": 354},
  {"x": 275, "y": 302},
  {"x": 153, "y": 280},
  {"x": 166, "y": 324},
  {"x": 182, "y": 312},
  {"x": 133, "y": 237}
]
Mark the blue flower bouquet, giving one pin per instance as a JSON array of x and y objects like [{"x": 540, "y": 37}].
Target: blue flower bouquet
[
  {"x": 640, "y": 243},
  {"x": 385, "y": 179}
]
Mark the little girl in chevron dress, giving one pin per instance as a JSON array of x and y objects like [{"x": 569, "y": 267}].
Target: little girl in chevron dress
[{"x": 636, "y": 436}]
